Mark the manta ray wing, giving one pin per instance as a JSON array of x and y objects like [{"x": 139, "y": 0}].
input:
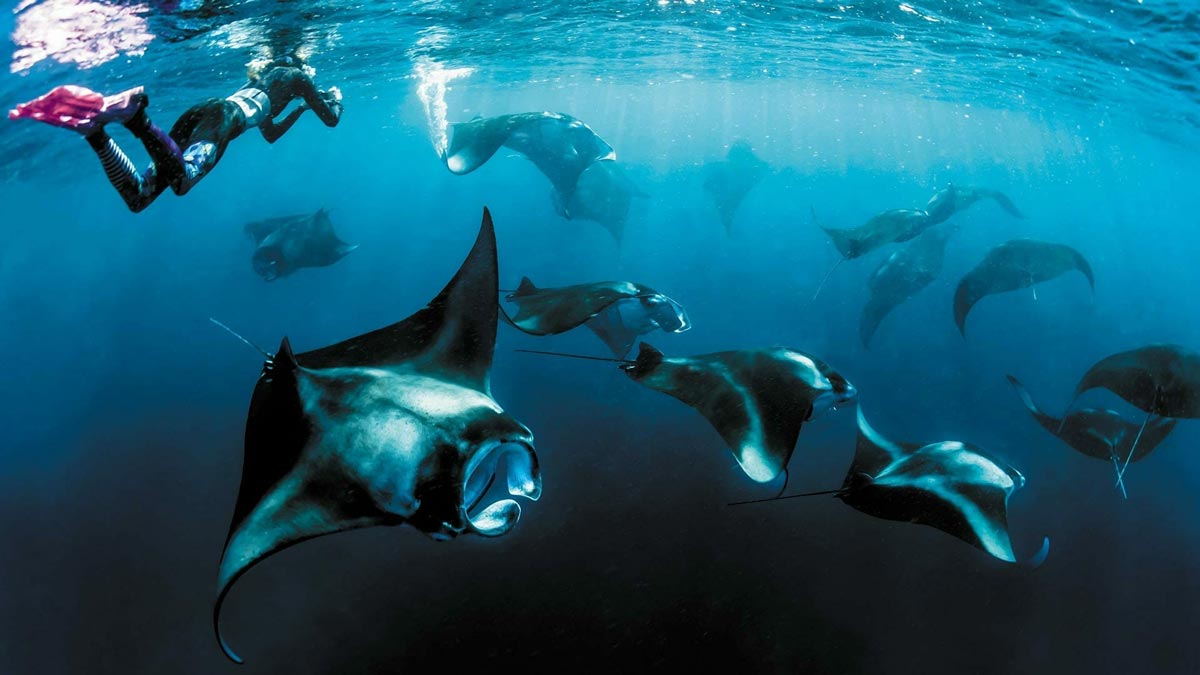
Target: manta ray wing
[
  {"x": 473, "y": 143},
  {"x": 872, "y": 454},
  {"x": 314, "y": 243},
  {"x": 454, "y": 335},
  {"x": 873, "y": 314},
  {"x": 948, "y": 486},
  {"x": 561, "y": 147},
  {"x": 603, "y": 193},
  {"x": 1048, "y": 422},
  {"x": 259, "y": 230},
  {"x": 611, "y": 329},
  {"x": 1160, "y": 379}
]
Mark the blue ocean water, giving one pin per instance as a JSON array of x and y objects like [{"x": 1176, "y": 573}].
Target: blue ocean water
[{"x": 125, "y": 408}]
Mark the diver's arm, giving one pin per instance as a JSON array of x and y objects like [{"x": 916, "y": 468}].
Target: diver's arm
[
  {"x": 326, "y": 104},
  {"x": 272, "y": 130}
]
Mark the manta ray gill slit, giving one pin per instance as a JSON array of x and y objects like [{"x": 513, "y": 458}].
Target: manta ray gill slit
[{"x": 498, "y": 512}]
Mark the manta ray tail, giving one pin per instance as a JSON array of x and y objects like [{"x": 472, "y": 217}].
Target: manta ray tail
[
  {"x": 779, "y": 498},
  {"x": 1112, "y": 453},
  {"x": 244, "y": 341},
  {"x": 825, "y": 278},
  {"x": 1133, "y": 448},
  {"x": 573, "y": 356},
  {"x": 1066, "y": 413}
]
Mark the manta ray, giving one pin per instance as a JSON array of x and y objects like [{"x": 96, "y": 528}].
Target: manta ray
[
  {"x": 618, "y": 312},
  {"x": 603, "y": 194},
  {"x": 394, "y": 426},
  {"x": 1020, "y": 263},
  {"x": 1162, "y": 380},
  {"x": 289, "y": 243},
  {"x": 889, "y": 227},
  {"x": 560, "y": 146},
  {"x": 905, "y": 273},
  {"x": 756, "y": 399},
  {"x": 1099, "y": 434},
  {"x": 729, "y": 181},
  {"x": 955, "y": 198},
  {"x": 950, "y": 486}
]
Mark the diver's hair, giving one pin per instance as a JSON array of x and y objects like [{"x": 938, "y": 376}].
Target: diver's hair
[{"x": 259, "y": 67}]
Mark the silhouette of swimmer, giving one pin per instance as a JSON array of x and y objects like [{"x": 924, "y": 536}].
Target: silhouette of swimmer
[{"x": 203, "y": 131}]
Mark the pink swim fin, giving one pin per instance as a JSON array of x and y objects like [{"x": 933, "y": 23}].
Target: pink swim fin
[{"x": 80, "y": 109}]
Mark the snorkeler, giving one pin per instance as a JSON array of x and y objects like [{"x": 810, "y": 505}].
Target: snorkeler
[{"x": 203, "y": 131}]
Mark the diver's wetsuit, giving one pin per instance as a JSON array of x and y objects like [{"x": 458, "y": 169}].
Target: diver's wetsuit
[{"x": 205, "y": 130}]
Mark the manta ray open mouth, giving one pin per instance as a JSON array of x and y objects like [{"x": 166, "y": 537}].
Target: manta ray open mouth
[{"x": 487, "y": 510}]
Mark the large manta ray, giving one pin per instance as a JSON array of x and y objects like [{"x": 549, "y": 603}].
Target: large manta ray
[
  {"x": 729, "y": 181},
  {"x": 394, "y": 426},
  {"x": 1162, "y": 380},
  {"x": 955, "y": 198},
  {"x": 289, "y": 243},
  {"x": 1099, "y": 434},
  {"x": 950, "y": 486},
  {"x": 561, "y": 146},
  {"x": 603, "y": 194},
  {"x": 1020, "y": 263},
  {"x": 757, "y": 399},
  {"x": 616, "y": 311},
  {"x": 904, "y": 274}
]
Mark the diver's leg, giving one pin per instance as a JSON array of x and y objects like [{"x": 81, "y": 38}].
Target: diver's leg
[
  {"x": 164, "y": 152},
  {"x": 199, "y": 158},
  {"x": 136, "y": 189}
]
